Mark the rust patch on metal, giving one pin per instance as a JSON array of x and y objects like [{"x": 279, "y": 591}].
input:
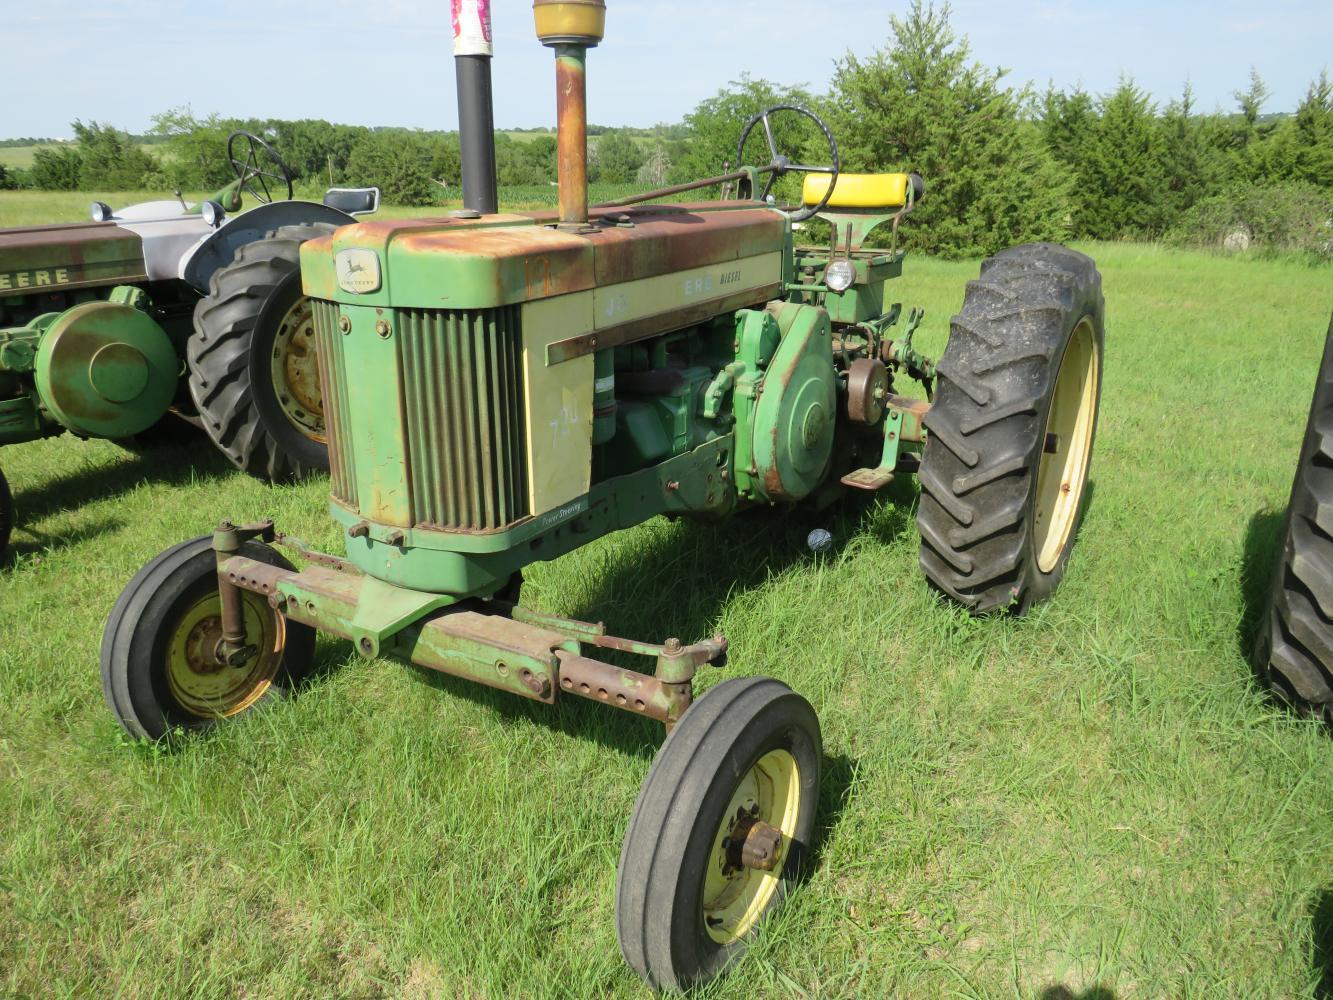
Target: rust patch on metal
[
  {"x": 571, "y": 109},
  {"x": 914, "y": 414},
  {"x": 867, "y": 390},
  {"x": 651, "y": 326},
  {"x": 754, "y": 844},
  {"x": 667, "y": 239},
  {"x": 592, "y": 679}
]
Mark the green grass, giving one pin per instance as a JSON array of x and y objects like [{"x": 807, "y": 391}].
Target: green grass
[{"x": 1093, "y": 802}]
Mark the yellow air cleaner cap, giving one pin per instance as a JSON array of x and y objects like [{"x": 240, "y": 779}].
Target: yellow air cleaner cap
[{"x": 570, "y": 22}]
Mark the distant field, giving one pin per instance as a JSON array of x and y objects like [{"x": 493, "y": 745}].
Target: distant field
[
  {"x": 22, "y": 156},
  {"x": 33, "y": 208}
]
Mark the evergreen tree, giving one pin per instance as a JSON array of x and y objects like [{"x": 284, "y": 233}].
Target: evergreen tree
[
  {"x": 1313, "y": 127},
  {"x": 1250, "y": 161},
  {"x": 56, "y": 168},
  {"x": 921, "y": 104},
  {"x": 1191, "y": 168},
  {"x": 1123, "y": 177},
  {"x": 111, "y": 160}
]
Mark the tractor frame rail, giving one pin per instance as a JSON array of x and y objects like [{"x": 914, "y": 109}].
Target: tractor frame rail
[{"x": 492, "y": 642}]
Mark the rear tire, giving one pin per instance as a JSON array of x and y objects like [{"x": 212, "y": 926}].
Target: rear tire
[
  {"x": 682, "y": 917},
  {"x": 235, "y": 357},
  {"x": 1011, "y": 429},
  {"x": 156, "y": 676},
  {"x": 1294, "y": 648}
]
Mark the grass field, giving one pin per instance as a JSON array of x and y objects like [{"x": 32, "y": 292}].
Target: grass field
[{"x": 1094, "y": 802}]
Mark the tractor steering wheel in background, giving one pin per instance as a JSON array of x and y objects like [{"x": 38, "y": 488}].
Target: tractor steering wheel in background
[
  {"x": 260, "y": 163},
  {"x": 782, "y": 164}
]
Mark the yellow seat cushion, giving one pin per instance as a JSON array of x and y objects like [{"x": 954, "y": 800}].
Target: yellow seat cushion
[{"x": 858, "y": 190}]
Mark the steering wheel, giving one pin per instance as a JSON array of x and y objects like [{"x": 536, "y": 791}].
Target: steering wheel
[
  {"x": 782, "y": 164},
  {"x": 256, "y": 168}
]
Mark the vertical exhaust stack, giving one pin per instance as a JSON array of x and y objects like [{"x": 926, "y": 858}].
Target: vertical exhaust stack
[
  {"x": 476, "y": 107},
  {"x": 571, "y": 27}
]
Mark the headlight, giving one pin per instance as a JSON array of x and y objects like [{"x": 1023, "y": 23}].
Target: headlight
[
  {"x": 358, "y": 270},
  {"x": 840, "y": 275},
  {"x": 101, "y": 212},
  {"x": 213, "y": 213}
]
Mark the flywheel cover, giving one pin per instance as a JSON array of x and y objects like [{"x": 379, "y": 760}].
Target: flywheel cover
[
  {"x": 106, "y": 370},
  {"x": 796, "y": 414}
]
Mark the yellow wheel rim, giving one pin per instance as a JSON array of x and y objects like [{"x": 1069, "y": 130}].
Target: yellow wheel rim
[
  {"x": 198, "y": 682},
  {"x": 295, "y": 370},
  {"x": 1067, "y": 446},
  {"x": 734, "y": 899}
]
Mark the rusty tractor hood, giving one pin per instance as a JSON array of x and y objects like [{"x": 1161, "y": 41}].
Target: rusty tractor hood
[
  {"x": 68, "y": 256},
  {"x": 504, "y": 259}
]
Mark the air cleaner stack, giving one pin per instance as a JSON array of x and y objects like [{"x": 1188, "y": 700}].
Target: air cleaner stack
[{"x": 571, "y": 27}]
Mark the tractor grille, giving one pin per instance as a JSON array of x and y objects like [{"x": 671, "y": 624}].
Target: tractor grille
[
  {"x": 333, "y": 385},
  {"x": 463, "y": 409},
  {"x": 462, "y": 416}
]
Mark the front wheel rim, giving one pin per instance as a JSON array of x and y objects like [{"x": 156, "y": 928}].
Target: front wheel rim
[
  {"x": 734, "y": 899},
  {"x": 201, "y": 685},
  {"x": 294, "y": 367},
  {"x": 1066, "y": 446}
]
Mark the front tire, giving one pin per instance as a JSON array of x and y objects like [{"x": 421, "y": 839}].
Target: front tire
[
  {"x": 157, "y": 672},
  {"x": 253, "y": 373},
  {"x": 748, "y": 750},
  {"x": 1011, "y": 430}
]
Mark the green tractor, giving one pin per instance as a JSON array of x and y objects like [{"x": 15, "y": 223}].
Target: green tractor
[
  {"x": 502, "y": 388},
  {"x": 133, "y": 324}
]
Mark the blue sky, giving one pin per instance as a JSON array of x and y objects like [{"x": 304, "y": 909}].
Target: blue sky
[{"x": 390, "y": 61}]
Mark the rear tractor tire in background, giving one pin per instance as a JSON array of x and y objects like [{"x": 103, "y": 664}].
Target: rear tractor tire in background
[
  {"x": 254, "y": 372},
  {"x": 160, "y": 674},
  {"x": 6, "y": 517},
  {"x": 1294, "y": 646},
  {"x": 1011, "y": 429}
]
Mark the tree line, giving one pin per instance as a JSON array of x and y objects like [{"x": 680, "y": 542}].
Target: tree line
[
  {"x": 1002, "y": 164},
  {"x": 412, "y": 167}
]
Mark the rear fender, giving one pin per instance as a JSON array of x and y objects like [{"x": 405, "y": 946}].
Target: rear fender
[{"x": 219, "y": 248}]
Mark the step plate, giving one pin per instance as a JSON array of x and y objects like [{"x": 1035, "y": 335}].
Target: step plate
[{"x": 868, "y": 479}]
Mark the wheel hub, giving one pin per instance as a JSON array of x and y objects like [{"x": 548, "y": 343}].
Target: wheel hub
[
  {"x": 749, "y": 847},
  {"x": 204, "y": 684},
  {"x": 752, "y": 843}
]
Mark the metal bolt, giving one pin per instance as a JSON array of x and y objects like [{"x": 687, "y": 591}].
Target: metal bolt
[
  {"x": 359, "y": 530},
  {"x": 345, "y": 324},
  {"x": 395, "y": 537},
  {"x": 672, "y": 645},
  {"x": 382, "y": 328},
  {"x": 672, "y": 485}
]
